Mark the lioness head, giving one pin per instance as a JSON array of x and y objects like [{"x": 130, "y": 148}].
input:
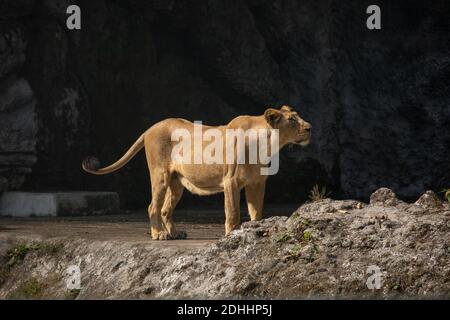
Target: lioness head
[{"x": 292, "y": 128}]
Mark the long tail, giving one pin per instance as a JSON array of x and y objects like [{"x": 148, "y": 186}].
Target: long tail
[{"x": 92, "y": 165}]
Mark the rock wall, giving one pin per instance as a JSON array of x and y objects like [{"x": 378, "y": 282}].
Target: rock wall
[{"x": 378, "y": 100}]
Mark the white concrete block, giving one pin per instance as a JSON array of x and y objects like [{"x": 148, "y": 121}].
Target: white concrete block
[{"x": 74, "y": 203}]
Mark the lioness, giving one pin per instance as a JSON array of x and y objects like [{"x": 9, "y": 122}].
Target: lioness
[{"x": 169, "y": 178}]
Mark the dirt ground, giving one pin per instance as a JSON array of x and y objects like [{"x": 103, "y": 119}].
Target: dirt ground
[{"x": 203, "y": 226}]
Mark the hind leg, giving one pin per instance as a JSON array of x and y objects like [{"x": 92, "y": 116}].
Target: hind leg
[
  {"x": 160, "y": 180},
  {"x": 173, "y": 195}
]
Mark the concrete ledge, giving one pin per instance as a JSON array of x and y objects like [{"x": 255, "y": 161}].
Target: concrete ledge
[{"x": 70, "y": 203}]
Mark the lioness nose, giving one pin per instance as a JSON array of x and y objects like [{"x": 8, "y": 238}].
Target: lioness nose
[{"x": 307, "y": 127}]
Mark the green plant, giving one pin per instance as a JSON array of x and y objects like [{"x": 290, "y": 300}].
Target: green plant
[
  {"x": 313, "y": 251},
  {"x": 317, "y": 193},
  {"x": 148, "y": 290},
  {"x": 4, "y": 274},
  {"x": 30, "y": 289},
  {"x": 71, "y": 294},
  {"x": 446, "y": 193},
  {"x": 295, "y": 215},
  {"x": 49, "y": 248},
  {"x": 283, "y": 237},
  {"x": 19, "y": 252},
  {"x": 396, "y": 287},
  {"x": 294, "y": 252},
  {"x": 307, "y": 235}
]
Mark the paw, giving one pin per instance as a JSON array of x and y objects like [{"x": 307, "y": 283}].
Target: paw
[
  {"x": 179, "y": 235},
  {"x": 162, "y": 235}
]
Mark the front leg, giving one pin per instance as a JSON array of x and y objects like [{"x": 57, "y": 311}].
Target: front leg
[
  {"x": 254, "y": 193},
  {"x": 232, "y": 210}
]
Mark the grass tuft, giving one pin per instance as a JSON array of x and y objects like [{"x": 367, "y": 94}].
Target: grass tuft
[
  {"x": 446, "y": 193},
  {"x": 19, "y": 252},
  {"x": 30, "y": 289},
  {"x": 71, "y": 294},
  {"x": 317, "y": 194},
  {"x": 283, "y": 238}
]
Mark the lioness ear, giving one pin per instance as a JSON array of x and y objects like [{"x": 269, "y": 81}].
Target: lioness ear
[
  {"x": 272, "y": 116},
  {"x": 286, "y": 108}
]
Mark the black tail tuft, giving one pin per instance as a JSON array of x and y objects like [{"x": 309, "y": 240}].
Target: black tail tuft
[{"x": 91, "y": 164}]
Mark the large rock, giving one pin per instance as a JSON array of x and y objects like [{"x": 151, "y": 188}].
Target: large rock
[
  {"x": 326, "y": 249},
  {"x": 18, "y": 135},
  {"x": 384, "y": 196},
  {"x": 429, "y": 200},
  {"x": 13, "y": 44},
  {"x": 392, "y": 99},
  {"x": 15, "y": 9}
]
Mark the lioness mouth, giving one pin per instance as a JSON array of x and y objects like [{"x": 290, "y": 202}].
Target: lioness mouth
[{"x": 303, "y": 139}]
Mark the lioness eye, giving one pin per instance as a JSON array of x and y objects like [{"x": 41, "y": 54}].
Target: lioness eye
[{"x": 292, "y": 121}]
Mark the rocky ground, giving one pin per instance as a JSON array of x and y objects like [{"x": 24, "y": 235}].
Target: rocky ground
[{"x": 324, "y": 250}]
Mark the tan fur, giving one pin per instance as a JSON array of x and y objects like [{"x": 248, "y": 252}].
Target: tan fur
[{"x": 168, "y": 179}]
